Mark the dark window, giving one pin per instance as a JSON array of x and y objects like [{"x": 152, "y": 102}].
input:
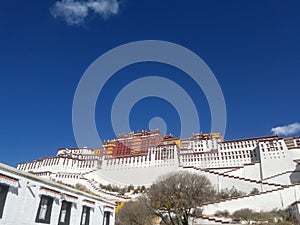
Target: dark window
[
  {"x": 85, "y": 216},
  {"x": 106, "y": 218},
  {"x": 3, "y": 194},
  {"x": 44, "y": 211},
  {"x": 65, "y": 213}
]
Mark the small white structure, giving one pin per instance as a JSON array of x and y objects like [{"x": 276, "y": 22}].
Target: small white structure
[{"x": 28, "y": 199}]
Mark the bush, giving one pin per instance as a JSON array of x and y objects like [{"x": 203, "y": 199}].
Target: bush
[
  {"x": 254, "y": 191},
  {"x": 233, "y": 192},
  {"x": 81, "y": 187},
  {"x": 130, "y": 188},
  {"x": 224, "y": 213}
]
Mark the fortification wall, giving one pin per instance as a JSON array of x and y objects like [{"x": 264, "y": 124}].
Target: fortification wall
[{"x": 279, "y": 199}]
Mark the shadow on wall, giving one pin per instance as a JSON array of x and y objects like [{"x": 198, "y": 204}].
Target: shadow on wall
[
  {"x": 295, "y": 175},
  {"x": 255, "y": 155},
  {"x": 14, "y": 190}
]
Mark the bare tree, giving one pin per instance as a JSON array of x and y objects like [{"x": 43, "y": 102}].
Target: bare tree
[
  {"x": 175, "y": 197},
  {"x": 135, "y": 213}
]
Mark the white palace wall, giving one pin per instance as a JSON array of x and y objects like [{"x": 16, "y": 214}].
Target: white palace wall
[
  {"x": 140, "y": 170},
  {"x": 279, "y": 199},
  {"x": 275, "y": 161},
  {"x": 269, "y": 164}
]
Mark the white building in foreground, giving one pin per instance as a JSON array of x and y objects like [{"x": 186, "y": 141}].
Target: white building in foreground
[{"x": 27, "y": 199}]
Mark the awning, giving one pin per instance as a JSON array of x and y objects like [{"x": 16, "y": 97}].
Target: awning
[
  {"x": 49, "y": 192},
  {"x": 109, "y": 209},
  {"x": 69, "y": 198},
  {"x": 88, "y": 203},
  {"x": 9, "y": 181}
]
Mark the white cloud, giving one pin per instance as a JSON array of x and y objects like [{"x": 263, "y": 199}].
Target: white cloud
[
  {"x": 74, "y": 12},
  {"x": 104, "y": 8},
  {"x": 286, "y": 130}
]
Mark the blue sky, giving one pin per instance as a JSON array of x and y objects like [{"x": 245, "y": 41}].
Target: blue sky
[{"x": 252, "y": 47}]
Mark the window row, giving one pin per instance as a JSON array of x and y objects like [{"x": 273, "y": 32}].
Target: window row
[{"x": 44, "y": 211}]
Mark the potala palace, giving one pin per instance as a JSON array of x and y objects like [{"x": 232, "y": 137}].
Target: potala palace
[{"x": 269, "y": 164}]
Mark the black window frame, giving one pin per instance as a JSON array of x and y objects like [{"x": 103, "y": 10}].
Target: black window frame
[
  {"x": 3, "y": 195},
  {"x": 106, "y": 218},
  {"x": 47, "y": 218},
  {"x": 87, "y": 218},
  {"x": 65, "y": 205}
]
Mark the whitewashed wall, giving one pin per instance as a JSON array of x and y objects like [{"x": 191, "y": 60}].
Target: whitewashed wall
[
  {"x": 22, "y": 203},
  {"x": 277, "y": 199}
]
